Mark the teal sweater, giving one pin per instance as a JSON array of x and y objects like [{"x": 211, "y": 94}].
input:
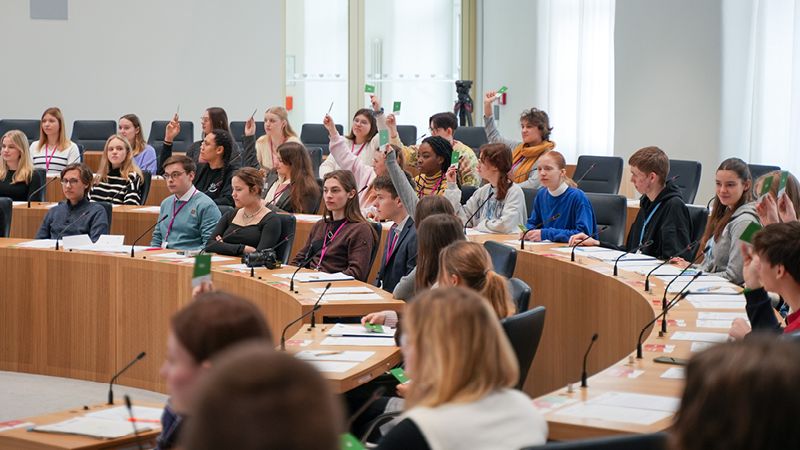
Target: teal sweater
[{"x": 192, "y": 226}]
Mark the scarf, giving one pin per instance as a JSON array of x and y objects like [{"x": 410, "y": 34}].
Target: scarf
[
  {"x": 430, "y": 185},
  {"x": 523, "y": 158}
]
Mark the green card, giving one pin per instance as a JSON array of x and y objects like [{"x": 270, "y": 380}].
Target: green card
[
  {"x": 400, "y": 375},
  {"x": 369, "y": 89},
  {"x": 202, "y": 269},
  {"x": 384, "y": 137},
  {"x": 373, "y": 327},
  {"x": 766, "y": 186},
  {"x": 502, "y": 90},
  {"x": 749, "y": 232},
  {"x": 350, "y": 442},
  {"x": 396, "y": 108},
  {"x": 454, "y": 157},
  {"x": 782, "y": 184},
  {"x": 522, "y": 228}
]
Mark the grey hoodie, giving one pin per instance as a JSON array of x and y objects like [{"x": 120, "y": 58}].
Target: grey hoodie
[{"x": 724, "y": 258}]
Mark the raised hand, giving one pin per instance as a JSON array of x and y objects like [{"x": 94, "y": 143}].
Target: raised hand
[
  {"x": 786, "y": 209},
  {"x": 250, "y": 127},
  {"x": 376, "y": 103},
  {"x": 329, "y": 125},
  {"x": 173, "y": 129},
  {"x": 488, "y": 99},
  {"x": 451, "y": 174}
]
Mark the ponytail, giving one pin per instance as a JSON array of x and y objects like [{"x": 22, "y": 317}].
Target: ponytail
[{"x": 495, "y": 289}]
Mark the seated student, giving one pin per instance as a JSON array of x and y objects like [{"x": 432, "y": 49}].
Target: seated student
[
  {"x": 732, "y": 211},
  {"x": 362, "y": 141},
  {"x": 144, "y": 155},
  {"x": 16, "y": 168},
  {"x": 467, "y": 398},
  {"x": 740, "y": 396},
  {"x": 662, "y": 218},
  {"x": 343, "y": 240},
  {"x": 535, "y": 131},
  {"x": 505, "y": 210},
  {"x": 192, "y": 229},
  {"x": 255, "y": 398},
  {"x": 442, "y": 125},
  {"x": 433, "y": 160},
  {"x": 199, "y": 332},
  {"x": 118, "y": 180},
  {"x": 53, "y": 151},
  {"x": 561, "y": 197},
  {"x": 277, "y": 131},
  {"x": 291, "y": 185},
  {"x": 252, "y": 226},
  {"x": 76, "y": 214},
  {"x": 774, "y": 209},
  {"x": 215, "y": 171},
  {"x": 400, "y": 254}
]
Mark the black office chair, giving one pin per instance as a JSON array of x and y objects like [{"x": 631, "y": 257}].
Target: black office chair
[
  {"x": 407, "y": 134},
  {"x": 699, "y": 216},
  {"x": 6, "y": 211},
  {"x": 758, "y": 170},
  {"x": 530, "y": 196},
  {"x": 599, "y": 174},
  {"x": 610, "y": 210},
  {"x": 41, "y": 176},
  {"x": 520, "y": 293},
  {"x": 288, "y": 227},
  {"x": 109, "y": 212},
  {"x": 653, "y": 441},
  {"x": 315, "y": 135},
  {"x": 315, "y": 153},
  {"x": 473, "y": 137},
  {"x": 378, "y": 229},
  {"x": 81, "y": 151},
  {"x": 182, "y": 141},
  {"x": 147, "y": 181},
  {"x": 92, "y": 134},
  {"x": 225, "y": 209},
  {"x": 237, "y": 130},
  {"x": 688, "y": 177},
  {"x": 504, "y": 257},
  {"x": 466, "y": 193},
  {"x": 524, "y": 330},
  {"x": 28, "y": 126}
]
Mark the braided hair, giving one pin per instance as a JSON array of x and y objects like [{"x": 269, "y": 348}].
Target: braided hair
[{"x": 442, "y": 148}]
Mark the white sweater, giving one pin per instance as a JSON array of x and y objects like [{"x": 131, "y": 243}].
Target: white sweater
[
  {"x": 59, "y": 160},
  {"x": 496, "y": 216}
]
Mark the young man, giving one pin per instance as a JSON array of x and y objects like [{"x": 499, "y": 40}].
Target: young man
[
  {"x": 191, "y": 215},
  {"x": 400, "y": 254},
  {"x": 75, "y": 215},
  {"x": 662, "y": 218}
]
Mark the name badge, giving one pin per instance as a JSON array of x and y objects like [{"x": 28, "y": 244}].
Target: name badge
[{"x": 164, "y": 245}]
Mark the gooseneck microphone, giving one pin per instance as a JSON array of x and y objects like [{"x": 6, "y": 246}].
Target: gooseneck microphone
[
  {"x": 536, "y": 227},
  {"x": 313, "y": 310},
  {"x": 577, "y": 244},
  {"x": 678, "y": 297},
  {"x": 61, "y": 235},
  {"x": 647, "y": 278},
  {"x": 131, "y": 417},
  {"x": 30, "y": 196},
  {"x": 666, "y": 289},
  {"x": 472, "y": 216},
  {"x": 316, "y": 306},
  {"x": 133, "y": 246},
  {"x": 312, "y": 251},
  {"x": 584, "y": 374},
  {"x": 114, "y": 378},
  {"x": 585, "y": 173},
  {"x": 634, "y": 250}
]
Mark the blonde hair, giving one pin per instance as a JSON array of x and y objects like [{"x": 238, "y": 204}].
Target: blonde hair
[
  {"x": 461, "y": 353},
  {"x": 24, "y": 172},
  {"x": 561, "y": 163},
  {"x": 470, "y": 262},
  {"x": 127, "y": 167},
  {"x": 262, "y": 144},
  {"x": 63, "y": 142}
]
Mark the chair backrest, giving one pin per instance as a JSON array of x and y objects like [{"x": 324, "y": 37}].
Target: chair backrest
[
  {"x": 6, "y": 210},
  {"x": 41, "y": 175},
  {"x": 758, "y": 170},
  {"x": 182, "y": 141},
  {"x": 599, "y": 174},
  {"x": 473, "y": 137},
  {"x": 699, "y": 217},
  {"x": 378, "y": 229},
  {"x": 92, "y": 134},
  {"x": 407, "y": 134},
  {"x": 688, "y": 177},
  {"x": 610, "y": 210},
  {"x": 504, "y": 257},
  {"x": 225, "y": 209},
  {"x": 28, "y": 126},
  {"x": 146, "y": 182},
  {"x": 288, "y": 227},
  {"x": 466, "y": 193},
  {"x": 530, "y": 196},
  {"x": 521, "y": 293},
  {"x": 652, "y": 441},
  {"x": 81, "y": 150},
  {"x": 109, "y": 212},
  {"x": 524, "y": 331},
  {"x": 315, "y": 153},
  {"x": 237, "y": 131},
  {"x": 315, "y": 134}
]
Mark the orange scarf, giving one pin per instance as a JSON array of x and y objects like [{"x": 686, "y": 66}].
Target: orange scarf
[{"x": 523, "y": 158}]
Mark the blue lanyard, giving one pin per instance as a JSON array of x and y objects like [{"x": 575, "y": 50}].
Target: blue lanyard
[{"x": 646, "y": 221}]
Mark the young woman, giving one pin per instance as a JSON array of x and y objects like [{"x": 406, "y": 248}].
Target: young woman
[
  {"x": 535, "y": 132},
  {"x": 118, "y": 179},
  {"x": 199, "y": 332},
  {"x": 773, "y": 209},
  {"x": 278, "y": 131},
  {"x": 562, "y": 198},
  {"x": 16, "y": 168},
  {"x": 215, "y": 173},
  {"x": 144, "y": 155},
  {"x": 291, "y": 185},
  {"x": 252, "y": 226},
  {"x": 433, "y": 160},
  {"x": 343, "y": 240},
  {"x": 362, "y": 141},
  {"x": 53, "y": 151},
  {"x": 464, "y": 371},
  {"x": 499, "y": 205},
  {"x": 76, "y": 214}
]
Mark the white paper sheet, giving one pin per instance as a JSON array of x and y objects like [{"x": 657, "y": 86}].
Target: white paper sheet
[
  {"x": 121, "y": 413},
  {"x": 583, "y": 250},
  {"x": 100, "y": 428},
  {"x": 612, "y": 255},
  {"x": 111, "y": 239},
  {"x": 674, "y": 373},
  {"x": 152, "y": 209},
  {"x": 238, "y": 267},
  {"x": 38, "y": 243},
  {"x": 721, "y": 324},
  {"x": 717, "y": 305},
  {"x": 723, "y": 298},
  {"x": 700, "y": 346},
  {"x": 612, "y": 413},
  {"x": 325, "y": 355},
  {"x": 307, "y": 217},
  {"x": 721, "y": 315},
  {"x": 344, "y": 290},
  {"x": 359, "y": 341},
  {"x": 171, "y": 255},
  {"x": 316, "y": 277},
  {"x": 333, "y": 366},
  {"x": 665, "y": 270},
  {"x": 76, "y": 241},
  {"x": 342, "y": 329},
  {"x": 641, "y": 401},
  {"x": 700, "y": 285},
  {"x": 515, "y": 243},
  {"x": 686, "y": 278},
  {"x": 699, "y": 336},
  {"x": 474, "y": 232},
  {"x": 350, "y": 297},
  {"x": 18, "y": 203}
]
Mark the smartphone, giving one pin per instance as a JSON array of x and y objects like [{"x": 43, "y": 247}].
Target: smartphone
[{"x": 671, "y": 360}]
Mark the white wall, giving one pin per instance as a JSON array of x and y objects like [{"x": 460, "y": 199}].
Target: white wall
[{"x": 114, "y": 57}]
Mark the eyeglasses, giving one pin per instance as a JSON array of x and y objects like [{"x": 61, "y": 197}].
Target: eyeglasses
[
  {"x": 173, "y": 175},
  {"x": 71, "y": 181}
]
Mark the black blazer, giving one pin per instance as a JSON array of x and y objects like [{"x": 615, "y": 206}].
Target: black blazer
[{"x": 403, "y": 259}]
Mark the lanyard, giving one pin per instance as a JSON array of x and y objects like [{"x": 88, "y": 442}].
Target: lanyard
[
  {"x": 514, "y": 166},
  {"x": 325, "y": 243},
  {"x": 392, "y": 243},
  {"x": 646, "y": 221},
  {"x": 175, "y": 213},
  {"x": 48, "y": 158},
  {"x": 434, "y": 189},
  {"x": 353, "y": 147},
  {"x": 278, "y": 192}
]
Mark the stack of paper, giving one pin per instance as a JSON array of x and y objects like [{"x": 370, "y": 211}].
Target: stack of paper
[
  {"x": 347, "y": 293},
  {"x": 352, "y": 330},
  {"x": 327, "y": 355},
  {"x": 38, "y": 243},
  {"x": 515, "y": 243},
  {"x": 717, "y": 301},
  {"x": 140, "y": 414},
  {"x": 99, "y": 428},
  {"x": 623, "y": 407},
  {"x": 359, "y": 341},
  {"x": 699, "y": 336},
  {"x": 316, "y": 277}
]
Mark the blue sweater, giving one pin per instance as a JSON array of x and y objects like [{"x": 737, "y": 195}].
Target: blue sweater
[
  {"x": 576, "y": 212},
  {"x": 193, "y": 224}
]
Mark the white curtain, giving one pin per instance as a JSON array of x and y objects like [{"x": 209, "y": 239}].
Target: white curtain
[{"x": 575, "y": 74}]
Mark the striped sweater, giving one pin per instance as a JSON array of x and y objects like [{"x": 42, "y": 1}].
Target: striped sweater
[
  {"x": 57, "y": 160},
  {"x": 118, "y": 190}
]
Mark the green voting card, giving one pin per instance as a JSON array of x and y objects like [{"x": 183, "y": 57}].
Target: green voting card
[
  {"x": 396, "y": 108},
  {"x": 400, "y": 375},
  {"x": 454, "y": 157},
  {"x": 522, "y": 228},
  {"x": 202, "y": 269},
  {"x": 384, "y": 137},
  {"x": 766, "y": 186},
  {"x": 502, "y": 90},
  {"x": 373, "y": 327},
  {"x": 782, "y": 184},
  {"x": 749, "y": 232},
  {"x": 369, "y": 89},
  {"x": 350, "y": 442}
]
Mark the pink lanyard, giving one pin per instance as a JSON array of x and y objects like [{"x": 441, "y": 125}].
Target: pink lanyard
[
  {"x": 48, "y": 158},
  {"x": 514, "y": 167},
  {"x": 325, "y": 243},
  {"x": 353, "y": 147},
  {"x": 392, "y": 244},
  {"x": 175, "y": 214},
  {"x": 278, "y": 193},
  {"x": 434, "y": 189}
]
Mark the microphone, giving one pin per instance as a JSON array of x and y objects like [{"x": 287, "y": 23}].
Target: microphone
[
  {"x": 665, "y": 307},
  {"x": 133, "y": 421},
  {"x": 647, "y": 278},
  {"x": 316, "y": 307},
  {"x": 678, "y": 297},
  {"x": 491, "y": 194},
  {"x": 600, "y": 229},
  {"x": 70, "y": 226},
  {"x": 114, "y": 378},
  {"x": 30, "y": 196},
  {"x": 224, "y": 236},
  {"x": 666, "y": 289},
  {"x": 313, "y": 314},
  {"x": 584, "y": 374},
  {"x": 536, "y": 227},
  {"x": 133, "y": 246},
  {"x": 636, "y": 249},
  {"x": 312, "y": 251},
  {"x": 585, "y": 173}
]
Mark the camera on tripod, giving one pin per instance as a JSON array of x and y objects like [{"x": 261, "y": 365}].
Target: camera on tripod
[{"x": 263, "y": 258}]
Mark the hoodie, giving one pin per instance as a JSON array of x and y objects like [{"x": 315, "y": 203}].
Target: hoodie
[{"x": 724, "y": 256}]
